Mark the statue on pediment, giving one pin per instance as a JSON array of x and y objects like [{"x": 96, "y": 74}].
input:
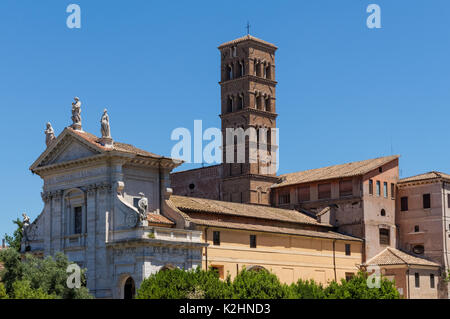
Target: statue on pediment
[
  {"x": 142, "y": 207},
  {"x": 49, "y": 134},
  {"x": 25, "y": 227},
  {"x": 76, "y": 114},
  {"x": 105, "y": 128}
]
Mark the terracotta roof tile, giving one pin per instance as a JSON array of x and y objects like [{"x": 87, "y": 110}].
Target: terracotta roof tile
[
  {"x": 185, "y": 203},
  {"x": 393, "y": 256},
  {"x": 273, "y": 229},
  {"x": 425, "y": 176},
  {"x": 335, "y": 171},
  {"x": 159, "y": 219},
  {"x": 120, "y": 147},
  {"x": 247, "y": 38}
]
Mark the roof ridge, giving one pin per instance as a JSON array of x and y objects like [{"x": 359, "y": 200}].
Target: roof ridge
[{"x": 347, "y": 163}]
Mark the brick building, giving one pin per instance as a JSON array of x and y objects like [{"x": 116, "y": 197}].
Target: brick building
[{"x": 357, "y": 199}]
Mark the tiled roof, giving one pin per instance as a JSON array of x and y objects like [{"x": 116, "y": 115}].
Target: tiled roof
[
  {"x": 272, "y": 229},
  {"x": 393, "y": 256},
  {"x": 159, "y": 219},
  {"x": 335, "y": 171},
  {"x": 426, "y": 176},
  {"x": 120, "y": 147},
  {"x": 202, "y": 205},
  {"x": 246, "y": 38}
]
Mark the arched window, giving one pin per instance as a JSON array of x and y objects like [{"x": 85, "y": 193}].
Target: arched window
[
  {"x": 230, "y": 104},
  {"x": 418, "y": 249},
  {"x": 240, "y": 105},
  {"x": 255, "y": 67},
  {"x": 167, "y": 267},
  {"x": 229, "y": 72},
  {"x": 129, "y": 289},
  {"x": 256, "y": 268},
  {"x": 267, "y": 103},
  {"x": 383, "y": 212},
  {"x": 267, "y": 74},
  {"x": 242, "y": 68}
]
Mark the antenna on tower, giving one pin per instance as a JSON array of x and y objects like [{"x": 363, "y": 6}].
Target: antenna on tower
[{"x": 248, "y": 28}]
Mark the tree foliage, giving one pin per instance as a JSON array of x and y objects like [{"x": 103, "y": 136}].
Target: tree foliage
[
  {"x": 38, "y": 278},
  {"x": 180, "y": 284},
  {"x": 15, "y": 240},
  {"x": 262, "y": 284}
]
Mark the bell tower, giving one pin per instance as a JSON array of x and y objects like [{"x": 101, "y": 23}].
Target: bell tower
[{"x": 248, "y": 104}]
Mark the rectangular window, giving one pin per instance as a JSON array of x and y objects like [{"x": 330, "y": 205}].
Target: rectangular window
[
  {"x": 404, "y": 204},
  {"x": 345, "y": 188},
  {"x": 324, "y": 191},
  {"x": 448, "y": 200},
  {"x": 77, "y": 212},
  {"x": 416, "y": 228},
  {"x": 378, "y": 188},
  {"x": 219, "y": 270},
  {"x": 370, "y": 187},
  {"x": 431, "y": 281},
  {"x": 392, "y": 190},
  {"x": 384, "y": 236},
  {"x": 417, "y": 279},
  {"x": 348, "y": 250},
  {"x": 252, "y": 241},
  {"x": 349, "y": 276},
  {"x": 385, "y": 190},
  {"x": 216, "y": 238},
  {"x": 303, "y": 194},
  {"x": 284, "y": 198},
  {"x": 426, "y": 201}
]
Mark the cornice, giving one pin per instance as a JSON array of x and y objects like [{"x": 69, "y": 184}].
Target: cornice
[
  {"x": 249, "y": 110},
  {"x": 250, "y": 77}
]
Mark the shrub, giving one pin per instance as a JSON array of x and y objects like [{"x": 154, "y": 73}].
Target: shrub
[
  {"x": 260, "y": 284},
  {"x": 180, "y": 284},
  {"x": 36, "y": 277}
]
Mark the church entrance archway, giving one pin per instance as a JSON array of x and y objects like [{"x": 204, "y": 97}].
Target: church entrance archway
[{"x": 129, "y": 289}]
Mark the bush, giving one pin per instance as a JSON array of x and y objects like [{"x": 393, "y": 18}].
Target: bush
[
  {"x": 356, "y": 288},
  {"x": 307, "y": 289},
  {"x": 259, "y": 284},
  {"x": 180, "y": 284},
  {"x": 199, "y": 284},
  {"x": 38, "y": 278}
]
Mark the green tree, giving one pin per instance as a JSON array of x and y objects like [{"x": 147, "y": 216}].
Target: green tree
[
  {"x": 3, "y": 294},
  {"x": 15, "y": 240},
  {"x": 357, "y": 288},
  {"x": 22, "y": 290},
  {"x": 260, "y": 284},
  {"x": 307, "y": 289},
  {"x": 180, "y": 284},
  {"x": 47, "y": 276}
]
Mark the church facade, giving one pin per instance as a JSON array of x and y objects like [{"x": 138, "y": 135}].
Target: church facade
[{"x": 103, "y": 209}]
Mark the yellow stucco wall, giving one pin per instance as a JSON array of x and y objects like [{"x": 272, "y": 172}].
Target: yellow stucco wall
[{"x": 289, "y": 257}]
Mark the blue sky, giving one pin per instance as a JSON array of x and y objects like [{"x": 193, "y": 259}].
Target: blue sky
[{"x": 345, "y": 92}]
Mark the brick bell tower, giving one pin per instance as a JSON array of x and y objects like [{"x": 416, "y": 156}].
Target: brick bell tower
[{"x": 248, "y": 100}]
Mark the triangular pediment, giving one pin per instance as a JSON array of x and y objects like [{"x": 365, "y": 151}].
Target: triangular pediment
[
  {"x": 66, "y": 148},
  {"x": 71, "y": 151}
]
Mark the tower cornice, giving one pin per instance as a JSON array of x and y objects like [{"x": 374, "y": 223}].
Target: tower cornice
[
  {"x": 249, "y": 110},
  {"x": 252, "y": 78}
]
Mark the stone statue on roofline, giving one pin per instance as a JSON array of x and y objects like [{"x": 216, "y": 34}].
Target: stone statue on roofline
[
  {"x": 142, "y": 207},
  {"x": 106, "y": 139},
  {"x": 49, "y": 134},
  {"x": 76, "y": 114},
  {"x": 105, "y": 128},
  {"x": 25, "y": 226}
]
